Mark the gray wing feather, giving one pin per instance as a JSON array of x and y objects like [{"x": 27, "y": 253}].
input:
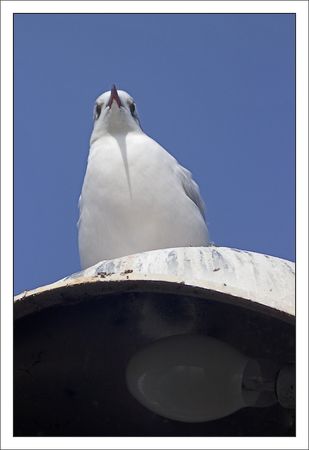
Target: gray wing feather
[{"x": 191, "y": 188}]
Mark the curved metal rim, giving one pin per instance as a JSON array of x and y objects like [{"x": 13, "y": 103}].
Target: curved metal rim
[{"x": 64, "y": 294}]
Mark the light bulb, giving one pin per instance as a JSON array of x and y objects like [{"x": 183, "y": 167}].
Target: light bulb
[{"x": 192, "y": 378}]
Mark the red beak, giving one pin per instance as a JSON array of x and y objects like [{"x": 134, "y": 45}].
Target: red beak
[{"x": 114, "y": 96}]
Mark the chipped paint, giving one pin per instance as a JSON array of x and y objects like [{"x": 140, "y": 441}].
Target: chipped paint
[
  {"x": 258, "y": 278},
  {"x": 172, "y": 262}
]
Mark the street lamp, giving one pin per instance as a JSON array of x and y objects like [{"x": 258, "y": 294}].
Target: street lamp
[{"x": 172, "y": 342}]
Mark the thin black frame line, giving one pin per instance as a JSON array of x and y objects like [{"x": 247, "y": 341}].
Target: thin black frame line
[
  {"x": 204, "y": 1},
  {"x": 154, "y": 14}
]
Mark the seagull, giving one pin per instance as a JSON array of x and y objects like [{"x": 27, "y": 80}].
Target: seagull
[{"x": 135, "y": 197}]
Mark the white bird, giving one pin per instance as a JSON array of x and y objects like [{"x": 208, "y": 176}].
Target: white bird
[{"x": 135, "y": 195}]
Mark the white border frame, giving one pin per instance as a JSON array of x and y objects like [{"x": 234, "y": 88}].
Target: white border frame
[{"x": 8, "y": 8}]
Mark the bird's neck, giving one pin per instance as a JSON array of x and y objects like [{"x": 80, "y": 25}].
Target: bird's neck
[{"x": 116, "y": 133}]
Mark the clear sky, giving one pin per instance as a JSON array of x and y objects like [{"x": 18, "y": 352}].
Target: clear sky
[{"x": 216, "y": 90}]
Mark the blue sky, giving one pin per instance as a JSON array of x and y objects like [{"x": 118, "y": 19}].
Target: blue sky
[{"x": 216, "y": 90}]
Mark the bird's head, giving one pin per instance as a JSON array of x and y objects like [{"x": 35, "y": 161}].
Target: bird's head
[{"x": 114, "y": 113}]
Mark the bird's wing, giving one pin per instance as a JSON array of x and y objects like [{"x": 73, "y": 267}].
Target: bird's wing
[
  {"x": 80, "y": 212},
  {"x": 191, "y": 188}
]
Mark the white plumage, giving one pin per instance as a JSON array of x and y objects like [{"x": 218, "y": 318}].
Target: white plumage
[{"x": 135, "y": 196}]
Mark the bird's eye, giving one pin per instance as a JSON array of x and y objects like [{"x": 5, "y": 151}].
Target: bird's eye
[
  {"x": 132, "y": 108},
  {"x": 98, "y": 109}
]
